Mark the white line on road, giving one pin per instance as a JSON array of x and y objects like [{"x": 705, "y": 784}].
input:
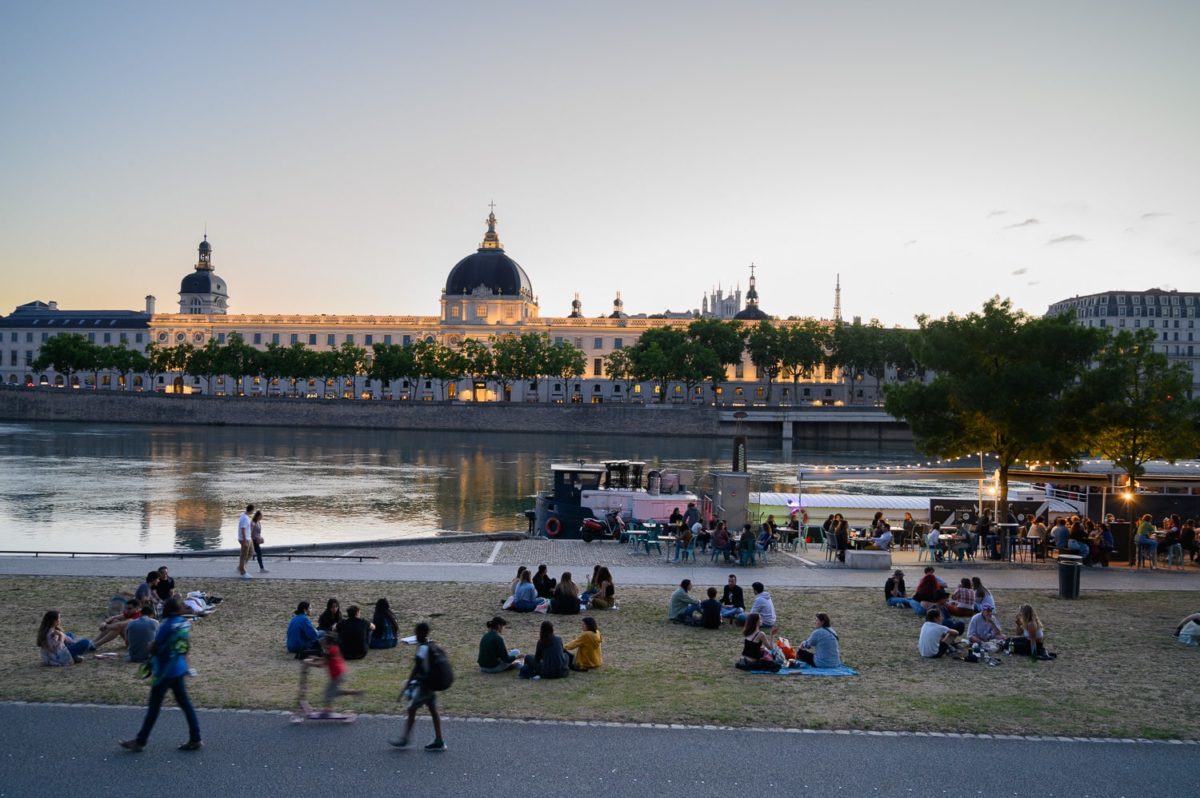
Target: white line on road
[{"x": 495, "y": 552}]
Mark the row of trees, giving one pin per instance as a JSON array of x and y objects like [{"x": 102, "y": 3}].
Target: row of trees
[
  {"x": 1045, "y": 388},
  {"x": 702, "y": 352}
]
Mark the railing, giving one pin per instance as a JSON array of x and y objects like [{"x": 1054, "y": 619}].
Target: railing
[{"x": 183, "y": 555}]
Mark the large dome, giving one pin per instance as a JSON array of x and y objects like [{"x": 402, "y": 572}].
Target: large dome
[
  {"x": 202, "y": 282},
  {"x": 751, "y": 313},
  {"x": 493, "y": 270}
]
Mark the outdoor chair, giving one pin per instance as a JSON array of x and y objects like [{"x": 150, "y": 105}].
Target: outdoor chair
[
  {"x": 652, "y": 540},
  {"x": 1175, "y": 554},
  {"x": 683, "y": 552},
  {"x": 923, "y": 550}
]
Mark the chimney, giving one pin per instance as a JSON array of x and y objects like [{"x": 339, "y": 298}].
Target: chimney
[
  {"x": 149, "y": 306},
  {"x": 53, "y": 305}
]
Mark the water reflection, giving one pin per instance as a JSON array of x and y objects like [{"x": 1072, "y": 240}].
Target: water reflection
[{"x": 91, "y": 487}]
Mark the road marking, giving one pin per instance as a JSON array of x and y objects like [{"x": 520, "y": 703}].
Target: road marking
[
  {"x": 495, "y": 552},
  {"x": 673, "y": 726}
]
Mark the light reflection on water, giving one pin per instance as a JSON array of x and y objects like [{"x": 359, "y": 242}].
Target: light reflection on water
[{"x": 96, "y": 487}]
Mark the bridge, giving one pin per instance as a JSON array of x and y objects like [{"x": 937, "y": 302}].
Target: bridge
[{"x": 814, "y": 418}]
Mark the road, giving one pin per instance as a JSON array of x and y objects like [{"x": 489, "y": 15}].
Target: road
[{"x": 62, "y": 750}]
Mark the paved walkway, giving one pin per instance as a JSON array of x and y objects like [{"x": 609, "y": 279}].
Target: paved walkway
[
  {"x": 494, "y": 562},
  {"x": 66, "y": 750}
]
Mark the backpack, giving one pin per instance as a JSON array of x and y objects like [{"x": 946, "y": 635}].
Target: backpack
[{"x": 440, "y": 675}]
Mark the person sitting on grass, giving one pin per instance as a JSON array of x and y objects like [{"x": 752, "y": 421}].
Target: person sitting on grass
[
  {"x": 494, "y": 655},
  {"x": 354, "y": 634},
  {"x": 605, "y": 597},
  {"x": 548, "y": 660},
  {"x": 935, "y": 640},
  {"x": 962, "y": 600},
  {"x": 141, "y": 633},
  {"x": 385, "y": 631},
  {"x": 821, "y": 649},
  {"x": 335, "y": 666},
  {"x": 983, "y": 628},
  {"x": 329, "y": 619},
  {"x": 586, "y": 647},
  {"x": 681, "y": 606},
  {"x": 59, "y": 647},
  {"x": 302, "y": 639},
  {"x": 1029, "y": 626},
  {"x": 710, "y": 611},
  {"x": 929, "y": 591},
  {"x": 732, "y": 600},
  {"x": 525, "y": 598},
  {"x": 543, "y": 582},
  {"x": 114, "y": 627},
  {"x": 762, "y": 606},
  {"x": 756, "y": 647},
  {"x": 147, "y": 593},
  {"x": 566, "y": 596},
  {"x": 893, "y": 590},
  {"x": 983, "y": 598}
]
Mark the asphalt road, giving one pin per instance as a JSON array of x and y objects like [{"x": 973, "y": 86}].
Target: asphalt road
[{"x": 59, "y": 750}]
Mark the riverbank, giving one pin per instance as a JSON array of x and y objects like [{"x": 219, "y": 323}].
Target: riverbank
[
  {"x": 656, "y": 672},
  {"x": 819, "y": 426}
]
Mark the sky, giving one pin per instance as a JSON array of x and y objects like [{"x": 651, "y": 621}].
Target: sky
[{"x": 342, "y": 156}]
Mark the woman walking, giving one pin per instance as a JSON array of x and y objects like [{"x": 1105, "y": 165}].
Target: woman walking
[{"x": 256, "y": 538}]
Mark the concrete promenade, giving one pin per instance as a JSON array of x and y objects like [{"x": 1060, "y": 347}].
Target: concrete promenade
[
  {"x": 494, "y": 562},
  {"x": 69, "y": 750}
]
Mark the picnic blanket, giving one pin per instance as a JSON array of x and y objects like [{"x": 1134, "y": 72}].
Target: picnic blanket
[{"x": 805, "y": 670}]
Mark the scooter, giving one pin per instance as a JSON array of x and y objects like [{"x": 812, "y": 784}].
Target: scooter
[{"x": 613, "y": 526}]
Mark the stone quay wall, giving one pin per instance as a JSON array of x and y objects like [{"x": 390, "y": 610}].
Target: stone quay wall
[{"x": 56, "y": 404}]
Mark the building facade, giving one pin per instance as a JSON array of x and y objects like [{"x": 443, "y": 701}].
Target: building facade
[
  {"x": 487, "y": 295},
  {"x": 1171, "y": 314}
]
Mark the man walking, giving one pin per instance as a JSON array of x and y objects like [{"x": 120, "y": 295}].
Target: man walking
[
  {"x": 245, "y": 541},
  {"x": 169, "y": 668}
]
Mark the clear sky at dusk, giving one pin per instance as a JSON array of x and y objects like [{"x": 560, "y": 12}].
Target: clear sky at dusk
[{"x": 343, "y": 155}]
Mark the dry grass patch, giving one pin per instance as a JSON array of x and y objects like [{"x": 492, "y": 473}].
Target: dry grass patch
[{"x": 1119, "y": 672}]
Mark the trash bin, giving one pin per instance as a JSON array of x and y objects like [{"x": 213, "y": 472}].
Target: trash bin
[{"x": 1069, "y": 566}]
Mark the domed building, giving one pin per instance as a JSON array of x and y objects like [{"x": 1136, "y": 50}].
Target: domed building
[
  {"x": 752, "y": 312},
  {"x": 488, "y": 287},
  {"x": 203, "y": 293}
]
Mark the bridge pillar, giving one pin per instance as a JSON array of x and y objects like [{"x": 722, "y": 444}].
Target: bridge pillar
[{"x": 787, "y": 430}]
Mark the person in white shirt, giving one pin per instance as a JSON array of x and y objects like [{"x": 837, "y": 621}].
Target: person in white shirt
[
  {"x": 245, "y": 541},
  {"x": 884, "y": 541},
  {"x": 935, "y": 640},
  {"x": 983, "y": 628}
]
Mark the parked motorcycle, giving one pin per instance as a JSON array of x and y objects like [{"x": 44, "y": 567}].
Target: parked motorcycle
[{"x": 612, "y": 526}]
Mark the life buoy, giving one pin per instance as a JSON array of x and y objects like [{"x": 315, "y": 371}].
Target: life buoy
[{"x": 553, "y": 526}]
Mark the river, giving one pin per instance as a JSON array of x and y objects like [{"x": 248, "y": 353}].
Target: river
[{"x": 129, "y": 488}]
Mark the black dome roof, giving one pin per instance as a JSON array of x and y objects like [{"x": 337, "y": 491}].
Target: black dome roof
[
  {"x": 202, "y": 282},
  {"x": 751, "y": 313},
  {"x": 492, "y": 269}
]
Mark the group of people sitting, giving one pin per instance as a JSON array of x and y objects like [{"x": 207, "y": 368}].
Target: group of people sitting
[
  {"x": 1177, "y": 538},
  {"x": 353, "y": 635},
  {"x": 552, "y": 658},
  {"x": 941, "y": 610},
  {"x": 540, "y": 592},
  {"x": 131, "y": 619}
]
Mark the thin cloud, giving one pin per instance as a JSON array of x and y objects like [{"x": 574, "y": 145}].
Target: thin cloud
[
  {"x": 1022, "y": 270},
  {"x": 1033, "y": 282},
  {"x": 910, "y": 243},
  {"x": 1068, "y": 239},
  {"x": 1026, "y": 223},
  {"x": 1154, "y": 215},
  {"x": 996, "y": 213}
]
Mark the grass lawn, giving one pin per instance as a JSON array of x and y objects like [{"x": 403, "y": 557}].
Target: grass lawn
[{"x": 1119, "y": 672}]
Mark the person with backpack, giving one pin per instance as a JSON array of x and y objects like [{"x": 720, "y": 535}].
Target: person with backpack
[
  {"x": 169, "y": 669},
  {"x": 430, "y": 674}
]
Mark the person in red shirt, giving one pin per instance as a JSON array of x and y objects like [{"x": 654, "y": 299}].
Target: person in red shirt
[
  {"x": 114, "y": 627},
  {"x": 335, "y": 664}
]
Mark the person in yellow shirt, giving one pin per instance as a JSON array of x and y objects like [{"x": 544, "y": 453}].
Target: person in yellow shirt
[{"x": 586, "y": 647}]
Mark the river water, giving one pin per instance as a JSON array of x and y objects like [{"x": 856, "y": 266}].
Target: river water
[{"x": 131, "y": 488}]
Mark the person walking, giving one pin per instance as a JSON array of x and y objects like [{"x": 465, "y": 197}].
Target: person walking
[
  {"x": 256, "y": 537},
  {"x": 169, "y": 668},
  {"x": 245, "y": 540},
  {"x": 420, "y": 693}
]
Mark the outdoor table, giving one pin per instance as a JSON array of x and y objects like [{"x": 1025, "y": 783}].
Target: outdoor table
[
  {"x": 636, "y": 538},
  {"x": 1007, "y": 536},
  {"x": 668, "y": 539}
]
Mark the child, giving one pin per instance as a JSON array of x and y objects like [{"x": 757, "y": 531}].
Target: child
[
  {"x": 419, "y": 694},
  {"x": 336, "y": 666}
]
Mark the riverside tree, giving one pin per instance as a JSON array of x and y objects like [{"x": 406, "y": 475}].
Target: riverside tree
[
  {"x": 1005, "y": 382},
  {"x": 1146, "y": 413}
]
